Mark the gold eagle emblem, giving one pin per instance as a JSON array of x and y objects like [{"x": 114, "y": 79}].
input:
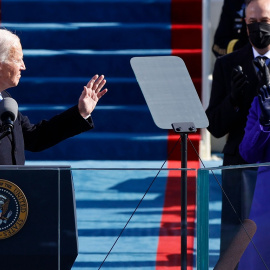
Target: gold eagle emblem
[{"x": 4, "y": 203}]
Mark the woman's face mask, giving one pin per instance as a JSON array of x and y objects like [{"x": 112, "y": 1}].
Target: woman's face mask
[{"x": 259, "y": 34}]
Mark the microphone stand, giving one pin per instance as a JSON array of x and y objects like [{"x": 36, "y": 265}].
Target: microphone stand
[
  {"x": 5, "y": 133},
  {"x": 6, "y": 128}
]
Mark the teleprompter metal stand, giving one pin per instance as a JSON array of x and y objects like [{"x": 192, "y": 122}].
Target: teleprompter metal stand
[{"x": 174, "y": 104}]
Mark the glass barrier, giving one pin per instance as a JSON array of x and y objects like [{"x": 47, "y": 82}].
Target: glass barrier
[
  {"x": 232, "y": 217},
  {"x": 58, "y": 217}
]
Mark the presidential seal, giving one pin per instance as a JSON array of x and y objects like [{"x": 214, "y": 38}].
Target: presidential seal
[{"x": 13, "y": 209}]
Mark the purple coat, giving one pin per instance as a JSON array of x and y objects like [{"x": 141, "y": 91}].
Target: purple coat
[{"x": 255, "y": 148}]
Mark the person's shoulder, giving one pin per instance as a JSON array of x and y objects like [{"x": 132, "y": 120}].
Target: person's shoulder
[
  {"x": 237, "y": 56},
  {"x": 5, "y": 93}
]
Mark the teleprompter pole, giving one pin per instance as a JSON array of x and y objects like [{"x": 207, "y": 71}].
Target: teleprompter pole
[
  {"x": 172, "y": 98},
  {"x": 184, "y": 129},
  {"x": 184, "y": 201}
]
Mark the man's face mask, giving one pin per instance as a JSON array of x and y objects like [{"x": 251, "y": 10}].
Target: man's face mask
[{"x": 259, "y": 34}]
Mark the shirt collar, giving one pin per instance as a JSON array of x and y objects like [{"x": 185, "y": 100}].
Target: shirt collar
[{"x": 255, "y": 54}]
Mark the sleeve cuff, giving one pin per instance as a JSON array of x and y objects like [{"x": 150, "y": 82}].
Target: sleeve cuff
[{"x": 265, "y": 128}]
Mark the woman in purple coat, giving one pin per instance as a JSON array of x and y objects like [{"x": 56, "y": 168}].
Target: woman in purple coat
[{"x": 255, "y": 148}]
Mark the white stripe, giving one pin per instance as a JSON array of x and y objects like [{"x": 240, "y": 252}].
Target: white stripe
[{"x": 93, "y": 52}]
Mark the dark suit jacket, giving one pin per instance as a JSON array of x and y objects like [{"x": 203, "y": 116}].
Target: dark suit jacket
[
  {"x": 223, "y": 117},
  {"x": 37, "y": 137}
]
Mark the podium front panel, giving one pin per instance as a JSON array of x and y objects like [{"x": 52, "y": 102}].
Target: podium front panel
[{"x": 38, "y": 225}]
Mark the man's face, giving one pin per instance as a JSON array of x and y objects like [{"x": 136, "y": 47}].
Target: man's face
[
  {"x": 258, "y": 11},
  {"x": 10, "y": 69}
]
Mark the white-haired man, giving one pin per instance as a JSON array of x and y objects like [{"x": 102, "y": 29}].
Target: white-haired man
[{"x": 37, "y": 137}]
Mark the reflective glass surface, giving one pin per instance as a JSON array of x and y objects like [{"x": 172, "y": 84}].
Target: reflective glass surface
[
  {"x": 233, "y": 213},
  {"x": 119, "y": 217}
]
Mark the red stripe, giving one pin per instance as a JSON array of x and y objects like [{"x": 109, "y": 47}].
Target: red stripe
[
  {"x": 186, "y": 51},
  {"x": 169, "y": 245},
  {"x": 186, "y": 32},
  {"x": 186, "y": 26}
]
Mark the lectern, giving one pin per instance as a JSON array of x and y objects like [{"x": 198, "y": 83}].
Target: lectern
[{"x": 38, "y": 227}]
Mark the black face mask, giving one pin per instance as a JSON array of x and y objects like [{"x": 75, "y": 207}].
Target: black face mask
[{"x": 259, "y": 34}]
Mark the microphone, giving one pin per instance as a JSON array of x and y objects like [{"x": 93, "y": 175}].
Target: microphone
[{"x": 8, "y": 114}]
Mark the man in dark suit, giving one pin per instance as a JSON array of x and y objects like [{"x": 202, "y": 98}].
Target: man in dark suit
[
  {"x": 233, "y": 89},
  {"x": 37, "y": 137}
]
